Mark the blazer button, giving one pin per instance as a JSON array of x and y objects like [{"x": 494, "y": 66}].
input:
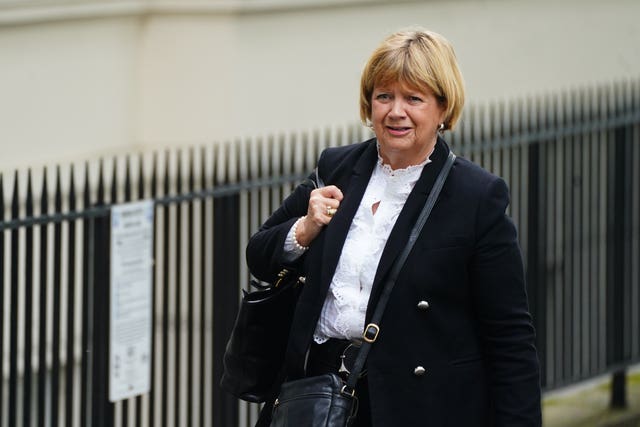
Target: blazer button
[
  {"x": 419, "y": 371},
  {"x": 423, "y": 305}
]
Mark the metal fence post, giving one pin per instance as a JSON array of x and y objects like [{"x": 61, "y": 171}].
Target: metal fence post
[
  {"x": 101, "y": 408},
  {"x": 226, "y": 279},
  {"x": 536, "y": 286},
  {"x": 615, "y": 268}
]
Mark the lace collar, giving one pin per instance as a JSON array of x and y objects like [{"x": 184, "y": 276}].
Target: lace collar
[{"x": 408, "y": 172}]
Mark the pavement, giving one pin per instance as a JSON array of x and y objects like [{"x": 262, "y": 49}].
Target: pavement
[{"x": 587, "y": 404}]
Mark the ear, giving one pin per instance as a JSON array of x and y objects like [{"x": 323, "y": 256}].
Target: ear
[
  {"x": 442, "y": 103},
  {"x": 443, "y": 117}
]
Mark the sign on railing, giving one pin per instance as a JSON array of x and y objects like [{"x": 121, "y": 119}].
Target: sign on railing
[{"x": 131, "y": 302}]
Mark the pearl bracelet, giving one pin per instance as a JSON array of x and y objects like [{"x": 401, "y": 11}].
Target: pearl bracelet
[{"x": 295, "y": 238}]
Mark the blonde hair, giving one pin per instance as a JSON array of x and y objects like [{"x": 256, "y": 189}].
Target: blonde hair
[{"x": 417, "y": 58}]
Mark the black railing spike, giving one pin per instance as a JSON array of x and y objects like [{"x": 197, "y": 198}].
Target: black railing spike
[
  {"x": 72, "y": 190},
  {"x": 254, "y": 159},
  {"x": 86, "y": 197},
  {"x": 154, "y": 175},
  {"x": 191, "y": 170},
  {"x": 215, "y": 152},
  {"x": 127, "y": 179},
  {"x": 101, "y": 190},
  {"x": 114, "y": 182},
  {"x": 179, "y": 171},
  {"x": 141, "y": 177},
  {"x": 58, "y": 194},
  {"x": 29, "y": 201},
  {"x": 203, "y": 167},
  {"x": 167, "y": 173},
  {"x": 237, "y": 147},
  {"x": 44, "y": 196},
  {"x": 15, "y": 199},
  {"x": 626, "y": 94},
  {"x": 1, "y": 198}
]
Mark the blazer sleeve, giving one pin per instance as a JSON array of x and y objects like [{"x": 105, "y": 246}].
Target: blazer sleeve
[
  {"x": 505, "y": 325},
  {"x": 265, "y": 248}
]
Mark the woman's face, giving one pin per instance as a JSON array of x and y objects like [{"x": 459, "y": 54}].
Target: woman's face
[{"x": 405, "y": 121}]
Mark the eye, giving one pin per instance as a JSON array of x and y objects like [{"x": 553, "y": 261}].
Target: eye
[
  {"x": 383, "y": 97},
  {"x": 415, "y": 99}
]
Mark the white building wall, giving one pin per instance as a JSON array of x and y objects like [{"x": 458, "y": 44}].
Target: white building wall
[
  {"x": 83, "y": 79},
  {"x": 311, "y": 61},
  {"x": 67, "y": 90}
]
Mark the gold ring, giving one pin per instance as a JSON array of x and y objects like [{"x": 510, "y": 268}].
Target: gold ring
[{"x": 331, "y": 211}]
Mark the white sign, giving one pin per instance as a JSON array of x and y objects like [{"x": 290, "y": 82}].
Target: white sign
[{"x": 131, "y": 311}]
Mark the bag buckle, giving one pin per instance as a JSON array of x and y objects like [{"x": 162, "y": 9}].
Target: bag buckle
[
  {"x": 371, "y": 332},
  {"x": 349, "y": 356},
  {"x": 281, "y": 275},
  {"x": 345, "y": 390}
]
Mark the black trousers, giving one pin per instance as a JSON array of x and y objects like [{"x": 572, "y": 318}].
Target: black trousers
[{"x": 325, "y": 358}]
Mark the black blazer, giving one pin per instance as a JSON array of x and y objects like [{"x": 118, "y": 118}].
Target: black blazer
[{"x": 475, "y": 340}]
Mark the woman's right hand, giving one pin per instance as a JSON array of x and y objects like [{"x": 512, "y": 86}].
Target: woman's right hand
[{"x": 323, "y": 203}]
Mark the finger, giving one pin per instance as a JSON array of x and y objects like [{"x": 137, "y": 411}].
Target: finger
[
  {"x": 321, "y": 200},
  {"x": 331, "y": 192},
  {"x": 329, "y": 206},
  {"x": 331, "y": 203},
  {"x": 317, "y": 209}
]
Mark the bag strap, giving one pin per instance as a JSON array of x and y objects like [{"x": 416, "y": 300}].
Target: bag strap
[
  {"x": 319, "y": 182},
  {"x": 372, "y": 329}
]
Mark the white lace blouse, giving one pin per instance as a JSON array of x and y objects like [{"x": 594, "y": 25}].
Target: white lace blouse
[{"x": 344, "y": 309}]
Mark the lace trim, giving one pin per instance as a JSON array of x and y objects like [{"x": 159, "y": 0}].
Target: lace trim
[{"x": 402, "y": 171}]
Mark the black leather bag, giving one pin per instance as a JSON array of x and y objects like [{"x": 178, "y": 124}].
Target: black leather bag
[
  {"x": 320, "y": 401},
  {"x": 255, "y": 351}
]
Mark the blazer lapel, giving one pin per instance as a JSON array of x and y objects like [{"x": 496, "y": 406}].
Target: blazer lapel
[{"x": 406, "y": 220}]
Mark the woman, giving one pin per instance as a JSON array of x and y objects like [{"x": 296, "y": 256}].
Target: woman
[{"x": 456, "y": 342}]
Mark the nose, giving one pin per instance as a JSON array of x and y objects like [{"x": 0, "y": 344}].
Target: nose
[{"x": 397, "y": 108}]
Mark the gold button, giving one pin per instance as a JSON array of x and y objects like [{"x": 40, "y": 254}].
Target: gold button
[{"x": 419, "y": 371}]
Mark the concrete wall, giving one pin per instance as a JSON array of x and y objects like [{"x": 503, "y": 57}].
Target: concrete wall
[
  {"x": 67, "y": 90},
  {"x": 84, "y": 79}
]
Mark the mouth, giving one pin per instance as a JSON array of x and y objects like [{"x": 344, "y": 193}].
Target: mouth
[{"x": 398, "y": 130}]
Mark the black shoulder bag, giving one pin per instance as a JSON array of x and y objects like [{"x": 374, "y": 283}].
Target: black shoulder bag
[
  {"x": 255, "y": 351},
  {"x": 326, "y": 400}
]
